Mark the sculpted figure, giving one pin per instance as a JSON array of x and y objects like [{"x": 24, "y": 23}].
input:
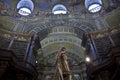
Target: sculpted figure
[{"x": 62, "y": 64}]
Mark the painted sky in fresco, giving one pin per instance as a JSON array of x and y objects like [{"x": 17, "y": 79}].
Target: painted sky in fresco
[
  {"x": 46, "y": 3},
  {"x": 7, "y": 2}
]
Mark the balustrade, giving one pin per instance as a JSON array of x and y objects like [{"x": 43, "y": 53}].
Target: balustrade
[
  {"x": 24, "y": 48},
  {"x": 101, "y": 44}
]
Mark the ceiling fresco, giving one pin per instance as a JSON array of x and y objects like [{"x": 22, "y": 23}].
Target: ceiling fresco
[
  {"x": 7, "y": 2},
  {"x": 50, "y": 3},
  {"x": 56, "y": 31}
]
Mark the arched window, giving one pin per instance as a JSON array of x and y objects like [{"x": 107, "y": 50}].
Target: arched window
[
  {"x": 93, "y": 6},
  {"x": 59, "y": 9},
  {"x": 25, "y": 7}
]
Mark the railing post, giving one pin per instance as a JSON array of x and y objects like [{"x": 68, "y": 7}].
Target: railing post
[
  {"x": 95, "y": 53},
  {"x": 30, "y": 48},
  {"x": 111, "y": 40},
  {"x": 11, "y": 41},
  {"x": 27, "y": 50}
]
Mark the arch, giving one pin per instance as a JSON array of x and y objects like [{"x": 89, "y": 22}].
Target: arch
[
  {"x": 78, "y": 51},
  {"x": 49, "y": 23},
  {"x": 43, "y": 27},
  {"x": 75, "y": 57}
]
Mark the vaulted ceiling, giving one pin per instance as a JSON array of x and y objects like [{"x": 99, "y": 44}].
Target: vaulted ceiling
[{"x": 56, "y": 31}]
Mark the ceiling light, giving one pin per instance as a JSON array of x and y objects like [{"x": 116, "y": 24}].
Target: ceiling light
[{"x": 87, "y": 59}]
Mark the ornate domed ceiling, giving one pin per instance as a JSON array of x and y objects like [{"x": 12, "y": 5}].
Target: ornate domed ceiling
[{"x": 56, "y": 31}]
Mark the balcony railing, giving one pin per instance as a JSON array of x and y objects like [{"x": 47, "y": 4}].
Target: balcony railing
[{"x": 21, "y": 46}]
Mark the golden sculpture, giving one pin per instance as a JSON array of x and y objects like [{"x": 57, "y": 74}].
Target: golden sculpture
[{"x": 62, "y": 67}]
